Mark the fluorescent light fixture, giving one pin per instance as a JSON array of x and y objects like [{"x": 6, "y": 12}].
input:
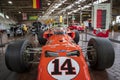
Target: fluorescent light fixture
[
  {"x": 10, "y": 2},
  {"x": 7, "y": 16},
  {"x": 86, "y": 6},
  {"x": 99, "y": 1},
  {"x": 52, "y": 10},
  {"x": 54, "y": 6},
  {"x": 79, "y": 0},
  {"x": 74, "y": 11},
  {"x": 96, "y": 2},
  {"x": 70, "y": 6},
  {"x": 57, "y": 5},
  {"x": 76, "y": 2},
  {"x": 83, "y": 0},
  {"x": 2, "y": 15},
  {"x": 69, "y": 13}
]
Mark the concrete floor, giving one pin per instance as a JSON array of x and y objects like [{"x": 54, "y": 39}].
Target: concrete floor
[
  {"x": 5, "y": 74},
  {"x": 112, "y": 73}
]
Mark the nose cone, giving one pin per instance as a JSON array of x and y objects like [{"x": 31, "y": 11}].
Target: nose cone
[{"x": 62, "y": 68}]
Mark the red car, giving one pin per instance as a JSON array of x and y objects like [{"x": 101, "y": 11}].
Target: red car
[
  {"x": 101, "y": 33},
  {"x": 76, "y": 27},
  {"x": 61, "y": 57}
]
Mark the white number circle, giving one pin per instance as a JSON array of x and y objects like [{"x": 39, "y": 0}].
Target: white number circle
[{"x": 63, "y": 68}]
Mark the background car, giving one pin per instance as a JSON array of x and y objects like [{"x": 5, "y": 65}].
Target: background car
[
  {"x": 8, "y": 32},
  {"x": 76, "y": 27},
  {"x": 19, "y": 32}
]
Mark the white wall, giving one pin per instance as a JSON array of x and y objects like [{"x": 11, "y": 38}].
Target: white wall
[{"x": 4, "y": 23}]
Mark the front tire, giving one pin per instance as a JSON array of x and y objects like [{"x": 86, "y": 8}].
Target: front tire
[
  {"x": 77, "y": 37},
  {"x": 15, "y": 57},
  {"x": 103, "y": 54}
]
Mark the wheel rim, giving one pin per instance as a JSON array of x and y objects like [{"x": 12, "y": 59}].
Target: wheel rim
[
  {"x": 27, "y": 56},
  {"x": 92, "y": 56}
]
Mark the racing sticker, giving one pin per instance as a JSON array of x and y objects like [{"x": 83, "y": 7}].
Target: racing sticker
[{"x": 63, "y": 68}]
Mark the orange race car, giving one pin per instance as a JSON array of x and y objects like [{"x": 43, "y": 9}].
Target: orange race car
[{"x": 61, "y": 57}]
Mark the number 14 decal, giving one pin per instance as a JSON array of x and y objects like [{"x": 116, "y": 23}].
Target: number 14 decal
[{"x": 66, "y": 66}]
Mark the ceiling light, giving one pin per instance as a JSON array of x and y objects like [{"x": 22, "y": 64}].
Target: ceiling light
[
  {"x": 48, "y": 4},
  {"x": 19, "y": 12},
  {"x": 10, "y": 2},
  {"x": 76, "y": 2}
]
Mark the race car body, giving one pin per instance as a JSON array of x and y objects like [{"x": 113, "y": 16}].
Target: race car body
[{"x": 62, "y": 59}]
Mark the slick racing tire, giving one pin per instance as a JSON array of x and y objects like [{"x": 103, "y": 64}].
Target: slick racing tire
[
  {"x": 101, "y": 54},
  {"x": 16, "y": 58},
  {"x": 77, "y": 37},
  {"x": 42, "y": 41}
]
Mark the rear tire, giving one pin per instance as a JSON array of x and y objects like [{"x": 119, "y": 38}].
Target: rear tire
[
  {"x": 77, "y": 37},
  {"x": 15, "y": 57},
  {"x": 104, "y": 54},
  {"x": 42, "y": 41}
]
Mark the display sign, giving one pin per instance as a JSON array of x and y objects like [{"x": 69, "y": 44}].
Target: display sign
[
  {"x": 24, "y": 15},
  {"x": 61, "y": 19},
  {"x": 33, "y": 17},
  {"x": 101, "y": 16}
]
